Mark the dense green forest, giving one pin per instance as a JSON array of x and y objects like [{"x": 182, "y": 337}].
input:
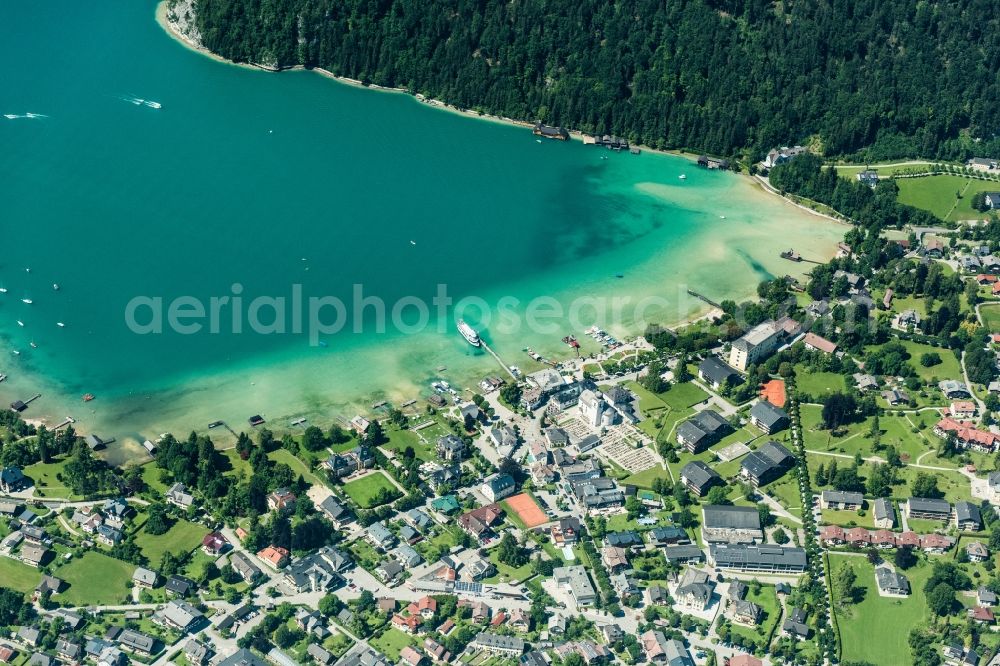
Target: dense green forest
[{"x": 869, "y": 78}]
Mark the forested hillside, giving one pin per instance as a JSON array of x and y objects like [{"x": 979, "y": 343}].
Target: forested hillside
[{"x": 879, "y": 78}]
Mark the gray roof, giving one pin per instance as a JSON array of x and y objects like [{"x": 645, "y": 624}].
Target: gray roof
[
  {"x": 485, "y": 639},
  {"x": 332, "y": 507},
  {"x": 500, "y": 482},
  {"x": 766, "y": 413},
  {"x": 380, "y": 533},
  {"x": 927, "y": 504},
  {"x": 136, "y": 640},
  {"x": 361, "y": 654},
  {"x": 699, "y": 474},
  {"x": 843, "y": 497},
  {"x": 715, "y": 371},
  {"x": 683, "y": 552},
  {"x": 731, "y": 517},
  {"x": 243, "y": 657},
  {"x": 739, "y": 554},
  {"x": 888, "y": 579},
  {"x": 967, "y": 512},
  {"x": 883, "y": 509}
]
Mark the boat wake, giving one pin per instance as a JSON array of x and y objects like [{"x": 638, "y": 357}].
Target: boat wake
[
  {"x": 138, "y": 101},
  {"x": 29, "y": 115}
]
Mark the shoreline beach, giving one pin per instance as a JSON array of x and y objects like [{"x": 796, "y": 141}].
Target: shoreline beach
[{"x": 615, "y": 214}]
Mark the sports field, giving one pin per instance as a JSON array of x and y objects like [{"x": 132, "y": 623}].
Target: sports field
[{"x": 527, "y": 510}]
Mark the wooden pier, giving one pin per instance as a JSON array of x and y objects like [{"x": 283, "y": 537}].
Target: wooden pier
[
  {"x": 499, "y": 360},
  {"x": 65, "y": 422},
  {"x": 702, "y": 297}
]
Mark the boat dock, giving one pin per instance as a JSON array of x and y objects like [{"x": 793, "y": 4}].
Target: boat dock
[
  {"x": 65, "y": 422},
  {"x": 506, "y": 367},
  {"x": 21, "y": 405},
  {"x": 702, "y": 297},
  {"x": 792, "y": 255}
]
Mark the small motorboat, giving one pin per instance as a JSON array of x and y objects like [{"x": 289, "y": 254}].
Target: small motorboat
[
  {"x": 87, "y": 397},
  {"x": 33, "y": 345},
  {"x": 682, "y": 177},
  {"x": 55, "y": 286},
  {"x": 27, "y": 301},
  {"x": 20, "y": 323},
  {"x": 214, "y": 424},
  {"x": 60, "y": 324}
]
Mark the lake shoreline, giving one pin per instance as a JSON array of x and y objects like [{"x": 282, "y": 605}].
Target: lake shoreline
[
  {"x": 174, "y": 32},
  {"x": 284, "y": 387}
]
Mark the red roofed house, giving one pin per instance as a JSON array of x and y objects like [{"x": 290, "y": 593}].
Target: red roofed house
[
  {"x": 281, "y": 500},
  {"x": 274, "y": 556},
  {"x": 996, "y": 288},
  {"x": 425, "y": 607},
  {"x": 967, "y": 435},
  {"x": 817, "y": 343},
  {"x": 981, "y": 615},
  {"x": 498, "y": 619},
  {"x": 831, "y": 534},
  {"x": 962, "y": 409},
  {"x": 446, "y": 627},
  {"x": 409, "y": 623},
  {"x": 7, "y": 653},
  {"x": 982, "y": 279},
  {"x": 857, "y": 536},
  {"x": 745, "y": 660},
  {"x": 411, "y": 656},
  {"x": 935, "y": 543},
  {"x": 883, "y": 539},
  {"x": 241, "y": 534},
  {"x": 478, "y": 523},
  {"x": 214, "y": 543},
  {"x": 910, "y": 539}
]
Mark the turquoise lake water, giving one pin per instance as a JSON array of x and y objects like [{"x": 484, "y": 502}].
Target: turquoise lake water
[{"x": 275, "y": 180}]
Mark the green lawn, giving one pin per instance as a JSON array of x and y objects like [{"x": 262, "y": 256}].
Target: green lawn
[
  {"x": 645, "y": 478},
  {"x": 364, "y": 490},
  {"x": 239, "y": 466},
  {"x": 46, "y": 483},
  {"x": 399, "y": 440},
  {"x": 682, "y": 396},
  {"x": 893, "y": 617},
  {"x": 817, "y": 384},
  {"x": 949, "y": 367},
  {"x": 94, "y": 579},
  {"x": 182, "y": 537},
  {"x": 648, "y": 402},
  {"x": 151, "y": 476},
  {"x": 786, "y": 491},
  {"x": 507, "y": 573},
  {"x": 299, "y": 467},
  {"x": 767, "y": 599},
  {"x": 849, "y": 518},
  {"x": 18, "y": 576},
  {"x": 937, "y": 194},
  {"x": 991, "y": 317},
  {"x": 391, "y": 642}
]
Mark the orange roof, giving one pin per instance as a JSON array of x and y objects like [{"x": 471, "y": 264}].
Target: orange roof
[
  {"x": 745, "y": 660},
  {"x": 822, "y": 344},
  {"x": 273, "y": 554},
  {"x": 774, "y": 392}
]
